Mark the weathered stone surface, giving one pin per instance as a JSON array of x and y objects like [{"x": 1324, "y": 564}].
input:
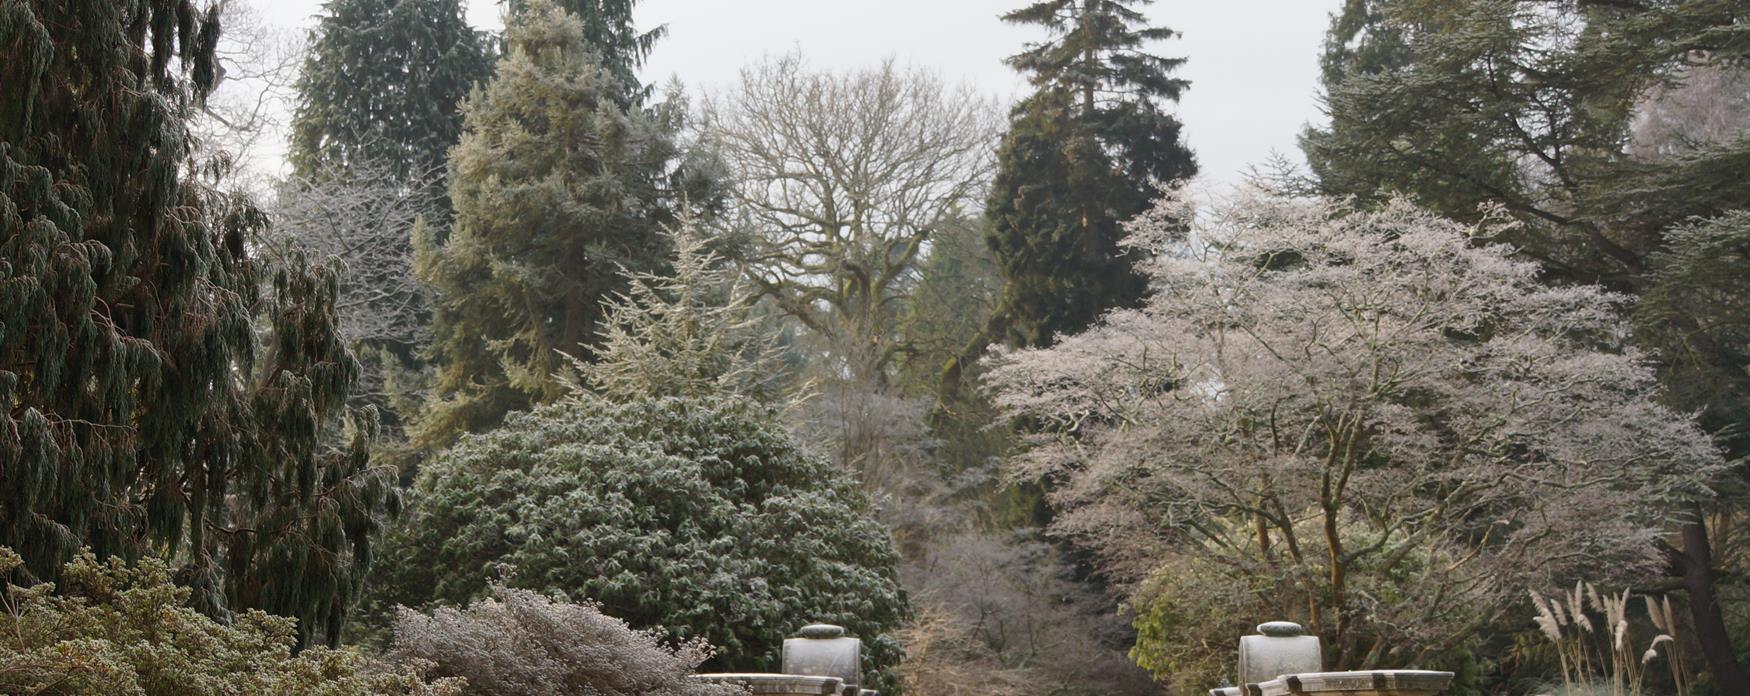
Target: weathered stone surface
[
  {"x": 824, "y": 651},
  {"x": 1282, "y": 649},
  {"x": 778, "y": 684},
  {"x": 1393, "y": 682},
  {"x": 821, "y": 631}
]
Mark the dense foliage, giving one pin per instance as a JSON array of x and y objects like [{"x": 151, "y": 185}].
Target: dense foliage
[
  {"x": 698, "y": 517},
  {"x": 1083, "y": 153},
  {"x": 1361, "y": 420},
  {"x": 163, "y": 392},
  {"x": 380, "y": 86},
  {"x": 522, "y": 643},
  {"x": 559, "y": 190},
  {"x": 111, "y": 630}
]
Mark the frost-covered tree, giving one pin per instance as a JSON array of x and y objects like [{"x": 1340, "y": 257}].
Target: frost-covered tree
[
  {"x": 698, "y": 517},
  {"x": 1362, "y": 420},
  {"x": 560, "y": 192},
  {"x": 522, "y": 643},
  {"x": 609, "y": 30},
  {"x": 363, "y": 218},
  {"x": 693, "y": 333},
  {"x": 1603, "y": 128}
]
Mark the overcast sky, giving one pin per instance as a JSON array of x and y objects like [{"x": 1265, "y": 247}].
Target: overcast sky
[{"x": 1253, "y": 64}]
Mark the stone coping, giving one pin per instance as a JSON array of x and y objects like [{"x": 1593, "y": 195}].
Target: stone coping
[
  {"x": 778, "y": 684},
  {"x": 1385, "y": 682}
]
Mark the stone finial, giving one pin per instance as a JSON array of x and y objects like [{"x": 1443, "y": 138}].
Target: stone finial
[
  {"x": 1281, "y": 629},
  {"x": 821, "y": 632}
]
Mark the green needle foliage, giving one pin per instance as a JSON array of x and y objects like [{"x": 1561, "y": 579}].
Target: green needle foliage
[
  {"x": 696, "y": 516},
  {"x": 560, "y": 191},
  {"x": 381, "y": 85},
  {"x": 1085, "y": 152},
  {"x": 161, "y": 392}
]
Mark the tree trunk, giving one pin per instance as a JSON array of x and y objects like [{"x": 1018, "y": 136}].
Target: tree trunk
[{"x": 1704, "y": 608}]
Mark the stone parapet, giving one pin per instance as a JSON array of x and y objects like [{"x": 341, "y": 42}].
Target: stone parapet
[
  {"x": 1385, "y": 682},
  {"x": 778, "y": 684}
]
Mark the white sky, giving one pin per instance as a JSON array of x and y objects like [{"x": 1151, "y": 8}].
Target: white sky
[{"x": 1253, "y": 64}]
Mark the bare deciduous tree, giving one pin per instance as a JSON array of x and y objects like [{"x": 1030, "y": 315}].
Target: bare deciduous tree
[
  {"x": 364, "y": 220},
  {"x": 842, "y": 179},
  {"x": 1323, "y": 412},
  {"x": 245, "y": 117}
]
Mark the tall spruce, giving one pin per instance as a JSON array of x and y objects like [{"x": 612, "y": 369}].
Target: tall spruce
[
  {"x": 1531, "y": 109},
  {"x": 560, "y": 191},
  {"x": 381, "y": 86},
  {"x": 162, "y": 392},
  {"x": 1084, "y": 153}
]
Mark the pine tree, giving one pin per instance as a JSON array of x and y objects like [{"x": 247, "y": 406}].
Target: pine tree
[
  {"x": 161, "y": 391},
  {"x": 560, "y": 193},
  {"x": 381, "y": 85},
  {"x": 1084, "y": 153}
]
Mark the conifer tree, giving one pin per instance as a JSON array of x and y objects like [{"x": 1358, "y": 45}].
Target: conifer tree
[
  {"x": 560, "y": 192},
  {"x": 608, "y": 28},
  {"x": 162, "y": 392},
  {"x": 1084, "y": 153},
  {"x": 381, "y": 86}
]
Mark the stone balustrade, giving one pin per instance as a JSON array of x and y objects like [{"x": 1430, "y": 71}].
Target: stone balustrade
[
  {"x": 778, "y": 684},
  {"x": 1283, "y": 661}
]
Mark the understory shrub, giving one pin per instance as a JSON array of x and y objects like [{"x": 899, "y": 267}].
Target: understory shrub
[
  {"x": 523, "y": 643},
  {"x": 112, "y": 630}
]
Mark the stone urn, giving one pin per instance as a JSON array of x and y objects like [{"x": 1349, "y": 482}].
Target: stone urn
[{"x": 1281, "y": 647}]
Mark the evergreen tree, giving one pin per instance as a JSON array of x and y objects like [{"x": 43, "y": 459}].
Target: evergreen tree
[
  {"x": 608, "y": 28},
  {"x": 381, "y": 86},
  {"x": 1084, "y": 153},
  {"x": 560, "y": 192},
  {"x": 161, "y": 391}
]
